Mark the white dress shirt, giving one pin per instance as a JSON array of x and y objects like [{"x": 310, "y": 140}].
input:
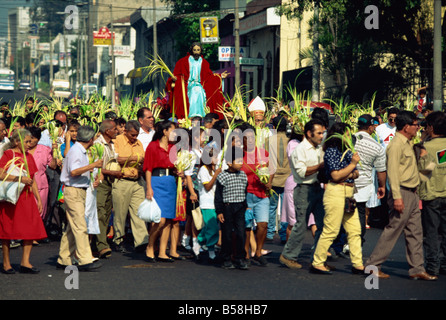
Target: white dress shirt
[
  {"x": 145, "y": 137},
  {"x": 303, "y": 156}
]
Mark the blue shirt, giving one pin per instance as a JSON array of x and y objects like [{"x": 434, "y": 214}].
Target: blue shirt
[
  {"x": 332, "y": 162},
  {"x": 76, "y": 158},
  {"x": 63, "y": 146}
]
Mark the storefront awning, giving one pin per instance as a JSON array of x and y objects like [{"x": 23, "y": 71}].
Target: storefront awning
[{"x": 135, "y": 73}]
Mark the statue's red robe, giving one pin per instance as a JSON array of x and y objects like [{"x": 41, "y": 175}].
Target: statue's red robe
[{"x": 212, "y": 84}]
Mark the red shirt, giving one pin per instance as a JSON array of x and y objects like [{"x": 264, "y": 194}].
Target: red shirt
[
  {"x": 250, "y": 163},
  {"x": 157, "y": 157}
]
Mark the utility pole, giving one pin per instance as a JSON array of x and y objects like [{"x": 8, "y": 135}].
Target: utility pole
[
  {"x": 113, "y": 60},
  {"x": 316, "y": 65},
  {"x": 438, "y": 68},
  {"x": 78, "y": 60},
  {"x": 81, "y": 59},
  {"x": 237, "y": 45},
  {"x": 86, "y": 58},
  {"x": 155, "y": 45},
  {"x": 51, "y": 59}
]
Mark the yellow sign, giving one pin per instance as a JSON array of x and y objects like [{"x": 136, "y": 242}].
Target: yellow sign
[
  {"x": 103, "y": 37},
  {"x": 209, "y": 30}
]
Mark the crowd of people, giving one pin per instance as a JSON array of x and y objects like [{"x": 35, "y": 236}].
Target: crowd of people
[{"x": 325, "y": 178}]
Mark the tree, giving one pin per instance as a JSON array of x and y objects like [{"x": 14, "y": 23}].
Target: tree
[
  {"x": 363, "y": 61},
  {"x": 187, "y": 14}
]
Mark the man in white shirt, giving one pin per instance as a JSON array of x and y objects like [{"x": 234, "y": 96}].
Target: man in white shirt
[
  {"x": 146, "y": 131},
  {"x": 305, "y": 162},
  {"x": 386, "y": 131}
]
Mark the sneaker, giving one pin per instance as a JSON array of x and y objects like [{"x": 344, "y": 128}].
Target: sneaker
[
  {"x": 260, "y": 260},
  {"x": 290, "y": 263},
  {"x": 242, "y": 265},
  {"x": 227, "y": 265},
  {"x": 90, "y": 266}
]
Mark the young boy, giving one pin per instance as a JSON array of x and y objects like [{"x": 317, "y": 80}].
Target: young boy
[
  {"x": 230, "y": 206},
  {"x": 70, "y": 137}
]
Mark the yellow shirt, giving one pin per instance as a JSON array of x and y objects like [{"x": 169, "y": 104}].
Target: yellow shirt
[
  {"x": 402, "y": 169},
  {"x": 124, "y": 148}
]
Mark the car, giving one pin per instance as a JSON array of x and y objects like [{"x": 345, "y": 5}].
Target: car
[{"x": 25, "y": 85}]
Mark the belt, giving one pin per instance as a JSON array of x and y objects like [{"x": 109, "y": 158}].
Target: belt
[
  {"x": 130, "y": 179},
  {"x": 348, "y": 184},
  {"x": 83, "y": 188},
  {"x": 409, "y": 189},
  {"x": 161, "y": 172}
]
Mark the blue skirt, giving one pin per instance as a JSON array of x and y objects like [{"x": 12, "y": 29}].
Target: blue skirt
[{"x": 165, "y": 194}]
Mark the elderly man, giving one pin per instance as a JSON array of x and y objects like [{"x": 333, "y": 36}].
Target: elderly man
[
  {"x": 108, "y": 132},
  {"x": 146, "y": 121},
  {"x": 128, "y": 192},
  {"x": 403, "y": 201},
  {"x": 76, "y": 178}
]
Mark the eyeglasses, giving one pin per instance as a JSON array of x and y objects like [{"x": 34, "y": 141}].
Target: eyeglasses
[
  {"x": 392, "y": 119},
  {"x": 415, "y": 124}
]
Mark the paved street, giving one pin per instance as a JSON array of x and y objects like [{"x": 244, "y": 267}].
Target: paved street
[
  {"x": 19, "y": 95},
  {"x": 128, "y": 277}
]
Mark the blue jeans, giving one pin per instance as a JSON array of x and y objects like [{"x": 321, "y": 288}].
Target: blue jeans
[
  {"x": 260, "y": 208},
  {"x": 273, "y": 204}
]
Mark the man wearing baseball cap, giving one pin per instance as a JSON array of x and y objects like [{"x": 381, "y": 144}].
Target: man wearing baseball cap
[{"x": 373, "y": 159}]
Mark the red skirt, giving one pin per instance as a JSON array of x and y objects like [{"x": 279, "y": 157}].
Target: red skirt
[{"x": 21, "y": 221}]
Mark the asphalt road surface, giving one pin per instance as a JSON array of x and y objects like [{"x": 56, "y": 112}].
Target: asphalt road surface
[
  {"x": 128, "y": 277},
  {"x": 19, "y": 95}
]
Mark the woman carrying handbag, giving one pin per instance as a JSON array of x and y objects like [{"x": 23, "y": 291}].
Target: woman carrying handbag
[{"x": 21, "y": 220}]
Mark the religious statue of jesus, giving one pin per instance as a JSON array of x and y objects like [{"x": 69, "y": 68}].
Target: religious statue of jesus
[{"x": 195, "y": 84}]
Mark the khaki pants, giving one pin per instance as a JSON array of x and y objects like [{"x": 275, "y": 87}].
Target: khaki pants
[
  {"x": 334, "y": 204},
  {"x": 408, "y": 222},
  {"x": 127, "y": 195},
  {"x": 75, "y": 241},
  {"x": 104, "y": 206}
]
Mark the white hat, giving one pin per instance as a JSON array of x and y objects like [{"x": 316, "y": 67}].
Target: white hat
[{"x": 256, "y": 104}]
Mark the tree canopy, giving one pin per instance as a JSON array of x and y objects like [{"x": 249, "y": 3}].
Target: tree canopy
[{"x": 363, "y": 60}]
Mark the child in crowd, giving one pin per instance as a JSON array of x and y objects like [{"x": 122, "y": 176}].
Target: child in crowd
[
  {"x": 230, "y": 206},
  {"x": 120, "y": 125},
  {"x": 70, "y": 137},
  {"x": 207, "y": 177}
]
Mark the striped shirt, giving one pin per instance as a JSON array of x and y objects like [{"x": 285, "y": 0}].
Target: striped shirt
[{"x": 372, "y": 155}]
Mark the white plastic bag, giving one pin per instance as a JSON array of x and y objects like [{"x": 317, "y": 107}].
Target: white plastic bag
[
  {"x": 149, "y": 211},
  {"x": 10, "y": 191}
]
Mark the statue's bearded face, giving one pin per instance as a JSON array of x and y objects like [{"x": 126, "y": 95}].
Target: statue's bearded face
[{"x": 196, "y": 52}]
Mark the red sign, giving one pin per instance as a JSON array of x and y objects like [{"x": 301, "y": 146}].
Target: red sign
[{"x": 102, "y": 37}]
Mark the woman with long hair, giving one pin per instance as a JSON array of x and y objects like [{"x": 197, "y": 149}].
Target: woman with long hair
[
  {"x": 340, "y": 167},
  {"x": 22, "y": 220},
  {"x": 160, "y": 174}
]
